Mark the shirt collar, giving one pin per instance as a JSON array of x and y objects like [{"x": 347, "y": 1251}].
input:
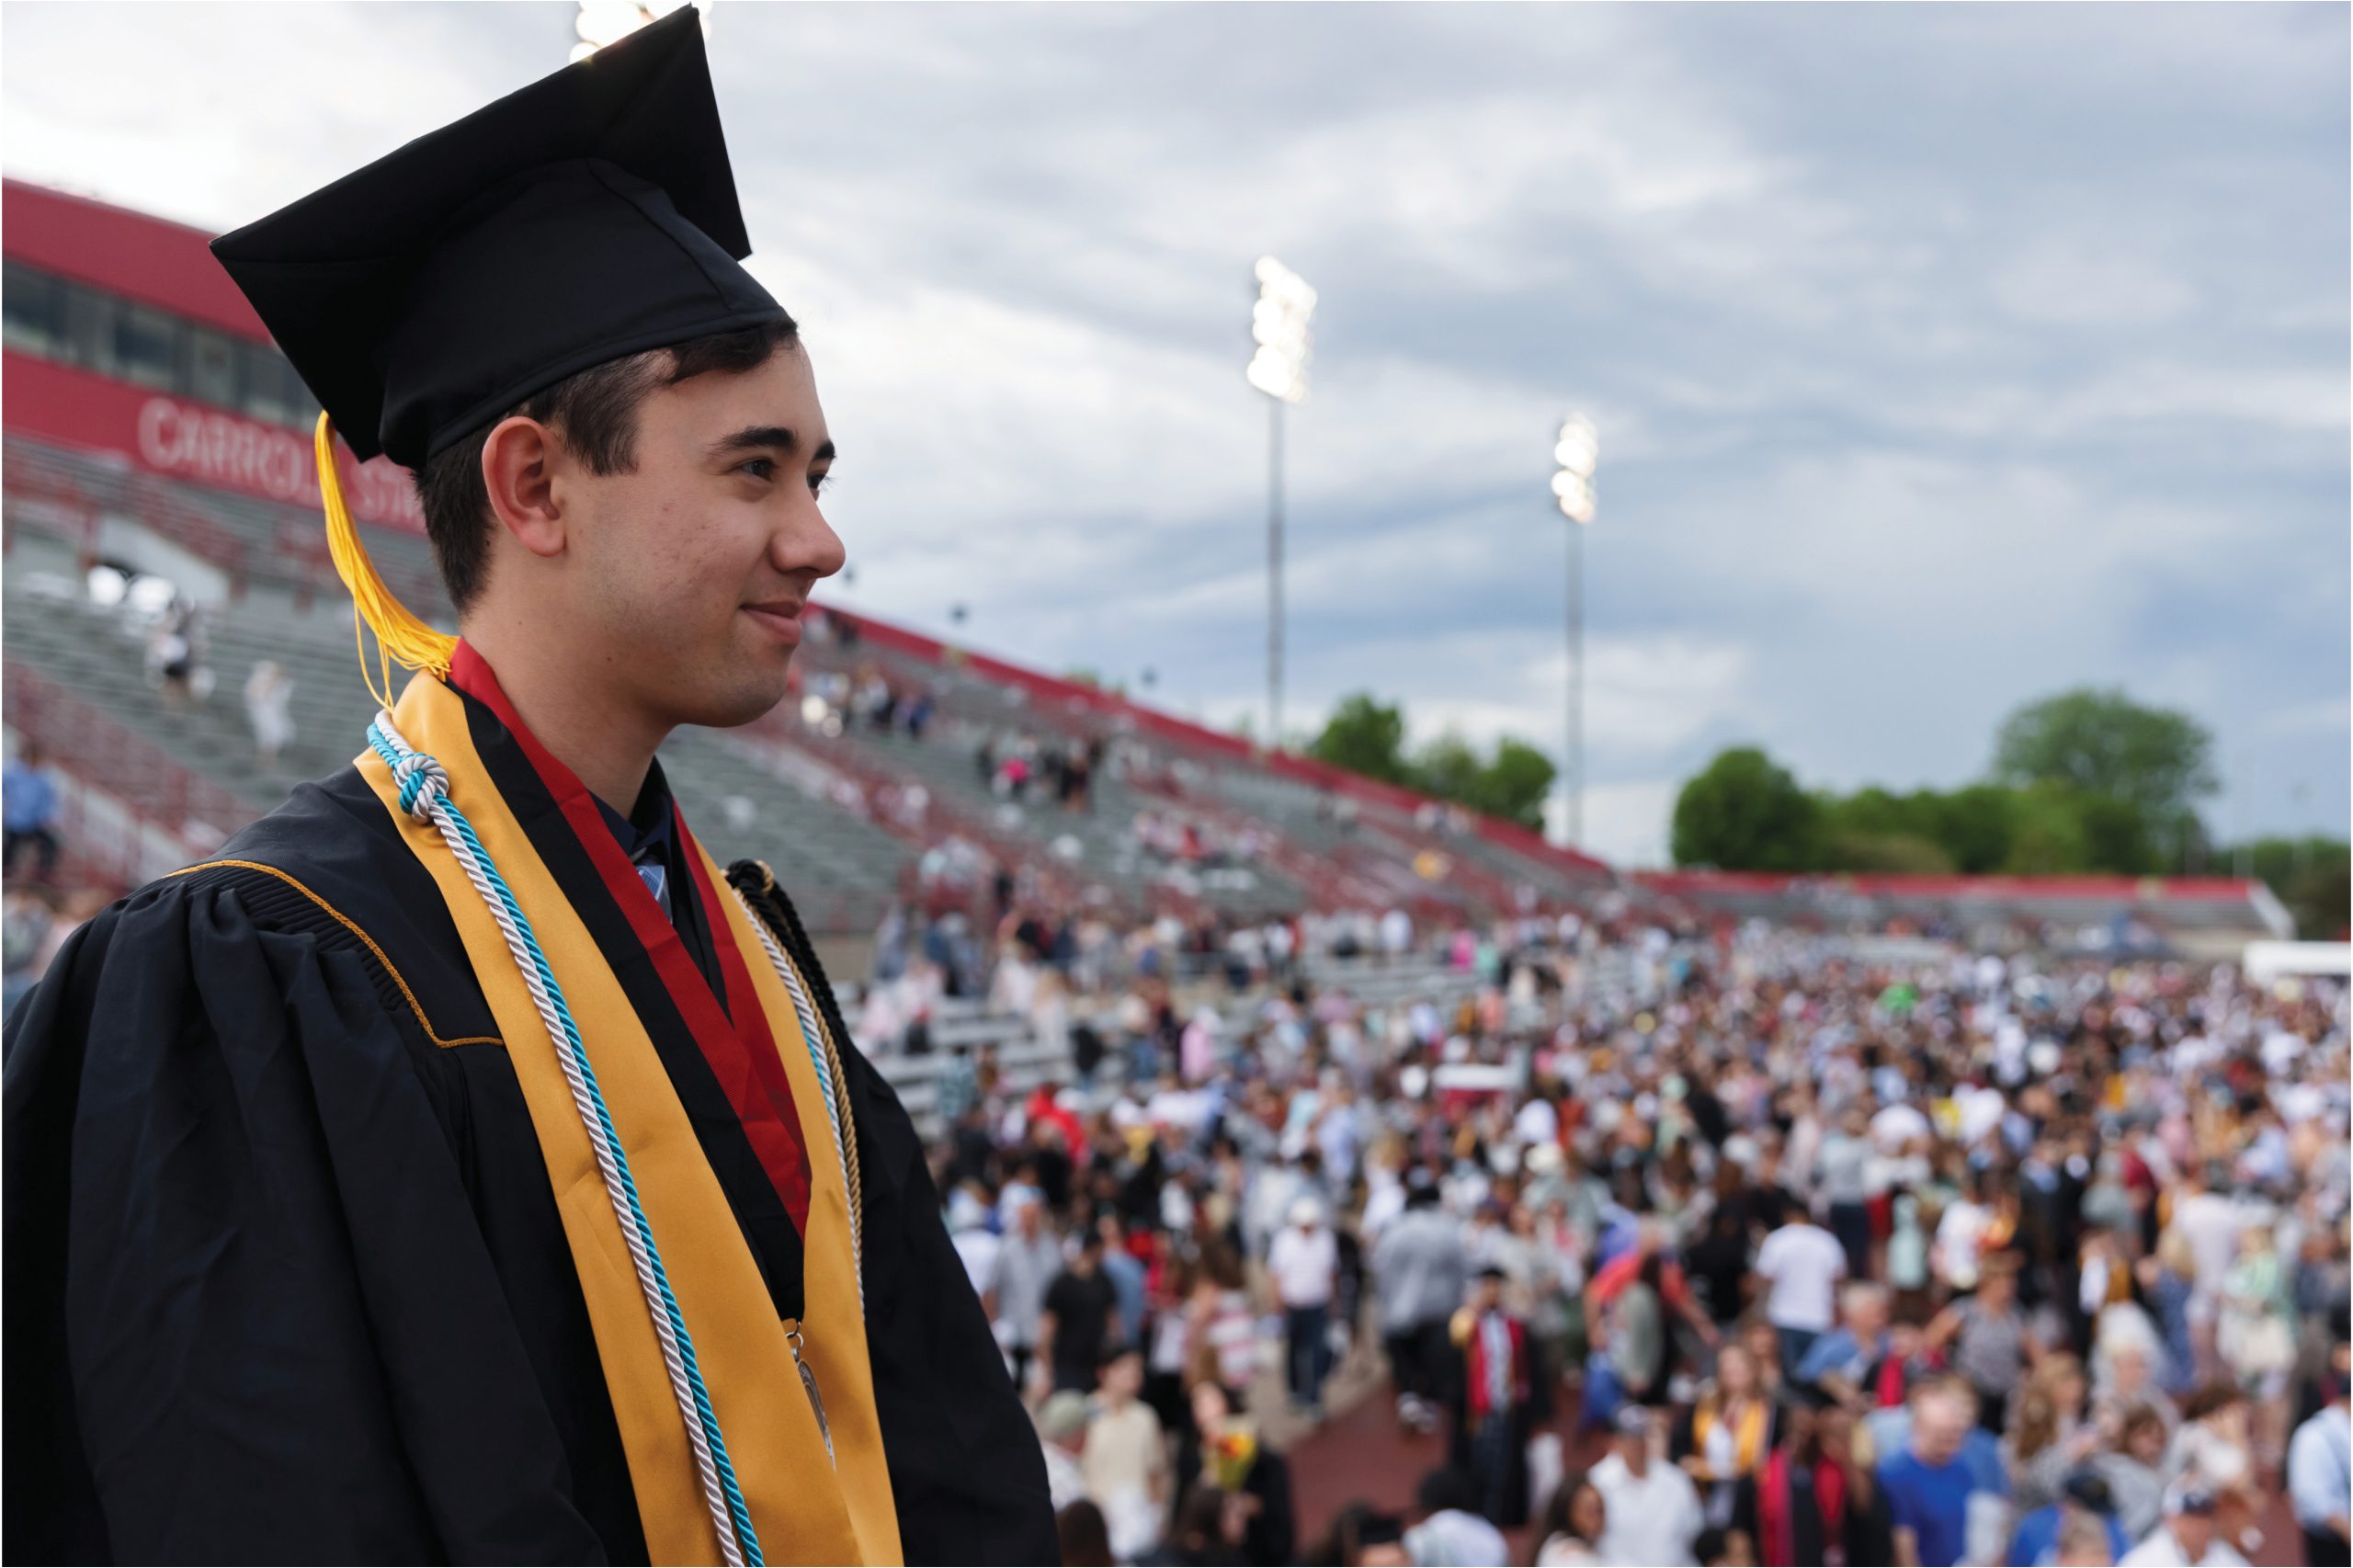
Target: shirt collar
[{"x": 650, "y": 828}]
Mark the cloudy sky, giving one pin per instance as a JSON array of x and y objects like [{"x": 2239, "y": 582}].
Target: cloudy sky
[{"x": 1943, "y": 357}]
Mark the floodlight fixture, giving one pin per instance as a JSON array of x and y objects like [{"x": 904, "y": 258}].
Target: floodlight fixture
[
  {"x": 1577, "y": 451},
  {"x": 1279, "y": 325}
]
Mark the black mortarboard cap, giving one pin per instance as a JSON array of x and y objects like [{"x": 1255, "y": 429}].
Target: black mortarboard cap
[{"x": 589, "y": 216}]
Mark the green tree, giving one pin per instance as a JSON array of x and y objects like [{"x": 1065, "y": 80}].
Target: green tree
[
  {"x": 1742, "y": 812},
  {"x": 2116, "y": 836},
  {"x": 1447, "y": 768},
  {"x": 1872, "y": 812},
  {"x": 1974, "y": 826},
  {"x": 2309, "y": 875},
  {"x": 2047, "y": 834},
  {"x": 2102, "y": 743},
  {"x": 1364, "y": 735},
  {"x": 2319, "y": 897},
  {"x": 1514, "y": 784},
  {"x": 1908, "y": 853}
]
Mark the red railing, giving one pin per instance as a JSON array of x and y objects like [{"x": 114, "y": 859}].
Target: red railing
[{"x": 144, "y": 775}]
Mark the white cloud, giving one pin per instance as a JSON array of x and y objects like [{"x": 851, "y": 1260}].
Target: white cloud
[
  {"x": 1627, "y": 825},
  {"x": 2067, "y": 283}
]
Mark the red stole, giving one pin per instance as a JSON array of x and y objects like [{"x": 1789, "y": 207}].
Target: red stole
[
  {"x": 742, "y": 1052},
  {"x": 1480, "y": 1375},
  {"x": 1777, "y": 1524},
  {"x": 1891, "y": 1382}
]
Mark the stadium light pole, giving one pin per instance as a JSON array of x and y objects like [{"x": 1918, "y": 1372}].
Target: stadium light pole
[
  {"x": 1576, "y": 451},
  {"x": 1279, "y": 368}
]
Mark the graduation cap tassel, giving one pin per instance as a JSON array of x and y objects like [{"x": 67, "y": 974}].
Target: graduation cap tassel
[{"x": 400, "y": 638}]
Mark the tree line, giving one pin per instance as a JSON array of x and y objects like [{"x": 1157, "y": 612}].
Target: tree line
[
  {"x": 1368, "y": 736},
  {"x": 2083, "y": 781}
]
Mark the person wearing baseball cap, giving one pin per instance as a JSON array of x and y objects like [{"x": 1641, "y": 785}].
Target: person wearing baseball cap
[
  {"x": 1304, "y": 1260},
  {"x": 2188, "y": 1537},
  {"x": 1653, "y": 1513},
  {"x": 2084, "y": 1492}
]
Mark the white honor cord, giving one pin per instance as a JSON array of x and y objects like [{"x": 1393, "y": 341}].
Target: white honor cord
[{"x": 835, "y": 1094}]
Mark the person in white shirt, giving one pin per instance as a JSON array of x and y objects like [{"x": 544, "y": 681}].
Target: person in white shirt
[
  {"x": 1537, "y": 1122},
  {"x": 1304, "y": 1260},
  {"x": 1396, "y": 934},
  {"x": 968, "y": 1228},
  {"x": 2188, "y": 1538},
  {"x": 1450, "y": 1534},
  {"x": 1896, "y": 1126},
  {"x": 2210, "y": 1222},
  {"x": 1061, "y": 1432},
  {"x": 1803, "y": 1263},
  {"x": 1125, "y": 1460},
  {"x": 2320, "y": 1471},
  {"x": 1651, "y": 1508},
  {"x": 1959, "y": 1236}
]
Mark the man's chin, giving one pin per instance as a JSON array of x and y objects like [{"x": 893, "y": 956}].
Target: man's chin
[{"x": 743, "y": 695}]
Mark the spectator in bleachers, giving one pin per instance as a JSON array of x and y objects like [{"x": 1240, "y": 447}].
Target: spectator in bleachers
[
  {"x": 31, "y": 908},
  {"x": 29, "y": 794},
  {"x": 175, "y": 655},
  {"x": 269, "y": 709}
]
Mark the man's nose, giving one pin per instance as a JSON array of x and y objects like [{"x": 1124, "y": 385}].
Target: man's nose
[{"x": 808, "y": 544}]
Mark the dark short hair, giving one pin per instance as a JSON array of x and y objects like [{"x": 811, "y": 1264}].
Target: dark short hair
[
  {"x": 596, "y": 413},
  {"x": 1085, "y": 1539},
  {"x": 1446, "y": 1488}
]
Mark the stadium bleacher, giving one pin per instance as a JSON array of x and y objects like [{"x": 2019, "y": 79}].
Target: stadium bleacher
[{"x": 826, "y": 803}]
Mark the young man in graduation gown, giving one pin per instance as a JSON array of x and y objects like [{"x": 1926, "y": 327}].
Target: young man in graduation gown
[{"x": 461, "y": 1166}]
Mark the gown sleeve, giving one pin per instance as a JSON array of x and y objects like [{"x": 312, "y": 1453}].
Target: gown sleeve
[{"x": 250, "y": 1316}]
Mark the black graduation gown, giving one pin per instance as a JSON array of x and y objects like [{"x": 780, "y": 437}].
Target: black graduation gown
[{"x": 286, "y": 1279}]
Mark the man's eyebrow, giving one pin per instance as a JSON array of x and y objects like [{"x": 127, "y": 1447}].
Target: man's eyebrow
[
  {"x": 777, "y": 439},
  {"x": 752, "y": 437}
]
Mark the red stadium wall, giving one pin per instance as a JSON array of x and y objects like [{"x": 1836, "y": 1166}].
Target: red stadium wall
[
  {"x": 185, "y": 440},
  {"x": 128, "y": 252},
  {"x": 2152, "y": 890}
]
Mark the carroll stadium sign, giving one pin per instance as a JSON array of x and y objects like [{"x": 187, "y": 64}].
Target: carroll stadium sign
[
  {"x": 220, "y": 448},
  {"x": 190, "y": 441}
]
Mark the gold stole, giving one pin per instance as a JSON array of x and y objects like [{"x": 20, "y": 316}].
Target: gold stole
[{"x": 804, "y": 1507}]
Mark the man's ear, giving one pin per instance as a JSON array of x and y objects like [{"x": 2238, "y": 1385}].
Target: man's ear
[{"x": 517, "y": 462}]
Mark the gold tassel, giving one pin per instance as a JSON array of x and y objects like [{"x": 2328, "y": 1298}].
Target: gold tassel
[{"x": 400, "y": 638}]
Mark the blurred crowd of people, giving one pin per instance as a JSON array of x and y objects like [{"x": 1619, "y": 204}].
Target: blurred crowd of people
[{"x": 1746, "y": 1252}]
